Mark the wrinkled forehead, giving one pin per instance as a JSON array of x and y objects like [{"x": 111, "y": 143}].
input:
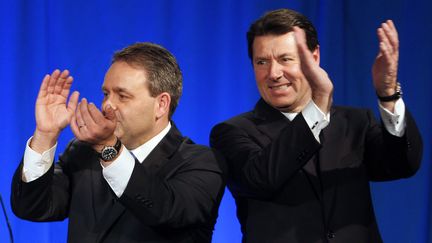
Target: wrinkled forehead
[
  {"x": 123, "y": 76},
  {"x": 274, "y": 45}
]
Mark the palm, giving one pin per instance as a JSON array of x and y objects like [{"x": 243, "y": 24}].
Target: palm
[
  {"x": 320, "y": 83},
  {"x": 385, "y": 67},
  {"x": 384, "y": 71},
  {"x": 52, "y": 112}
]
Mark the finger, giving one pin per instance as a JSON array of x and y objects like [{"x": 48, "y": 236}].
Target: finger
[
  {"x": 392, "y": 25},
  {"x": 300, "y": 37},
  {"x": 383, "y": 38},
  {"x": 80, "y": 122},
  {"x": 73, "y": 101},
  {"x": 391, "y": 34},
  {"x": 66, "y": 87},
  {"x": 85, "y": 114},
  {"x": 61, "y": 81},
  {"x": 52, "y": 81},
  {"x": 96, "y": 114},
  {"x": 44, "y": 86},
  {"x": 75, "y": 129},
  {"x": 385, "y": 52},
  {"x": 306, "y": 57}
]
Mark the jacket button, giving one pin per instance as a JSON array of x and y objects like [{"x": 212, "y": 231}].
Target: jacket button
[
  {"x": 330, "y": 234},
  {"x": 409, "y": 145}
]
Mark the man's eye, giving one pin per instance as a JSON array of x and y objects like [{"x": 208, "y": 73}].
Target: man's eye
[
  {"x": 261, "y": 62},
  {"x": 286, "y": 59},
  {"x": 123, "y": 97}
]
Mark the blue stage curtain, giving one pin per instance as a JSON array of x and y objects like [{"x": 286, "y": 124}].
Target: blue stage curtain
[{"x": 208, "y": 39}]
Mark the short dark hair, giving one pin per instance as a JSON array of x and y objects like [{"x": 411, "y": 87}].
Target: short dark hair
[
  {"x": 279, "y": 22},
  {"x": 163, "y": 71}
]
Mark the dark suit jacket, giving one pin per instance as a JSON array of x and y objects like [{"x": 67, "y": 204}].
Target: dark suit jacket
[
  {"x": 290, "y": 188},
  {"x": 173, "y": 196}
]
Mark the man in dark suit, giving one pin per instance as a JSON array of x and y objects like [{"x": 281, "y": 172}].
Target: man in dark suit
[
  {"x": 299, "y": 168},
  {"x": 129, "y": 175}
]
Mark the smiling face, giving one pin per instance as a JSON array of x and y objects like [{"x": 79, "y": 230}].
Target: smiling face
[
  {"x": 278, "y": 73},
  {"x": 138, "y": 114}
]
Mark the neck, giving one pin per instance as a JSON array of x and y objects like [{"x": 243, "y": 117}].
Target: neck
[
  {"x": 159, "y": 125},
  {"x": 295, "y": 108}
]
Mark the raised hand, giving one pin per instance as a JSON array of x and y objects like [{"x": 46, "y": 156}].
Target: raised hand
[
  {"x": 92, "y": 126},
  {"x": 385, "y": 67},
  {"x": 321, "y": 85},
  {"x": 51, "y": 111}
]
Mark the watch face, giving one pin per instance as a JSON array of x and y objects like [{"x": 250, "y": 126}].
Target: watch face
[{"x": 108, "y": 153}]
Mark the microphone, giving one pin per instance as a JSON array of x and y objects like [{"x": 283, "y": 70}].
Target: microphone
[{"x": 7, "y": 220}]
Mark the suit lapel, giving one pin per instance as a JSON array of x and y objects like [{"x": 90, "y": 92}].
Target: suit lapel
[
  {"x": 163, "y": 152},
  {"x": 269, "y": 120},
  {"x": 106, "y": 208},
  {"x": 331, "y": 137},
  {"x": 159, "y": 157},
  {"x": 98, "y": 190}
]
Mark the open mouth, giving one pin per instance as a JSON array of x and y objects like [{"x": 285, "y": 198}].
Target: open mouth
[{"x": 280, "y": 87}]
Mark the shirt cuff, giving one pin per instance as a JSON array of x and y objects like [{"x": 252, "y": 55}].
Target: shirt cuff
[
  {"x": 118, "y": 173},
  {"x": 35, "y": 164},
  {"x": 395, "y": 122},
  {"x": 315, "y": 118}
]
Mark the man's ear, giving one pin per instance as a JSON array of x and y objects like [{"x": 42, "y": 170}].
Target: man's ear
[
  {"x": 316, "y": 54},
  {"x": 162, "y": 105}
]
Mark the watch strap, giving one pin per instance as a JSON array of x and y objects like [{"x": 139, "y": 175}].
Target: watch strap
[{"x": 393, "y": 97}]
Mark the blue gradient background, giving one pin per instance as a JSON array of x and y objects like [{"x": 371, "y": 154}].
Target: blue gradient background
[{"x": 208, "y": 39}]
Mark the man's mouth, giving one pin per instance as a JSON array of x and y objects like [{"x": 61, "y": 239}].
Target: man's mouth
[{"x": 280, "y": 87}]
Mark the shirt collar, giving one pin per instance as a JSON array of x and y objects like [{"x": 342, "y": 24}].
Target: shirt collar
[
  {"x": 144, "y": 150},
  {"x": 290, "y": 115}
]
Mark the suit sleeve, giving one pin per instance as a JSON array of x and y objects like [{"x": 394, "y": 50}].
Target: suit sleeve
[
  {"x": 177, "y": 195},
  {"x": 389, "y": 157},
  {"x": 43, "y": 199},
  {"x": 257, "y": 168}
]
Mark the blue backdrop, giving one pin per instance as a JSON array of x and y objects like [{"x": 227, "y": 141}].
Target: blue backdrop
[{"x": 208, "y": 39}]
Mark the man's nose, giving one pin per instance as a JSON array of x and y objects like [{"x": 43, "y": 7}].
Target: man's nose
[
  {"x": 275, "y": 72},
  {"x": 109, "y": 101}
]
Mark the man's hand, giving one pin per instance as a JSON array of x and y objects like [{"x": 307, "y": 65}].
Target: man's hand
[
  {"x": 92, "y": 126},
  {"x": 385, "y": 67},
  {"x": 321, "y": 85},
  {"x": 52, "y": 113}
]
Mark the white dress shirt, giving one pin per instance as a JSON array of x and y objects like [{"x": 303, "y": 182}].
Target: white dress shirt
[
  {"x": 317, "y": 120},
  {"x": 117, "y": 174}
]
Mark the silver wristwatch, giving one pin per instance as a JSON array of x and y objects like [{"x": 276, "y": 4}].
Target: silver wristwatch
[{"x": 109, "y": 153}]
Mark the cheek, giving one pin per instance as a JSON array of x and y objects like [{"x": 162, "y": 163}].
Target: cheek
[
  {"x": 119, "y": 115},
  {"x": 260, "y": 79},
  {"x": 260, "y": 72},
  {"x": 293, "y": 70}
]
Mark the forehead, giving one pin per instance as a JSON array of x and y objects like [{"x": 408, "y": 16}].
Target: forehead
[
  {"x": 274, "y": 45},
  {"x": 124, "y": 76}
]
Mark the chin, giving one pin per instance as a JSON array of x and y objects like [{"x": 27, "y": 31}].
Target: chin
[{"x": 281, "y": 105}]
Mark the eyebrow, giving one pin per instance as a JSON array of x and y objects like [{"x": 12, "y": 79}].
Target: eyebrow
[
  {"x": 292, "y": 55},
  {"x": 117, "y": 89},
  {"x": 286, "y": 54}
]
